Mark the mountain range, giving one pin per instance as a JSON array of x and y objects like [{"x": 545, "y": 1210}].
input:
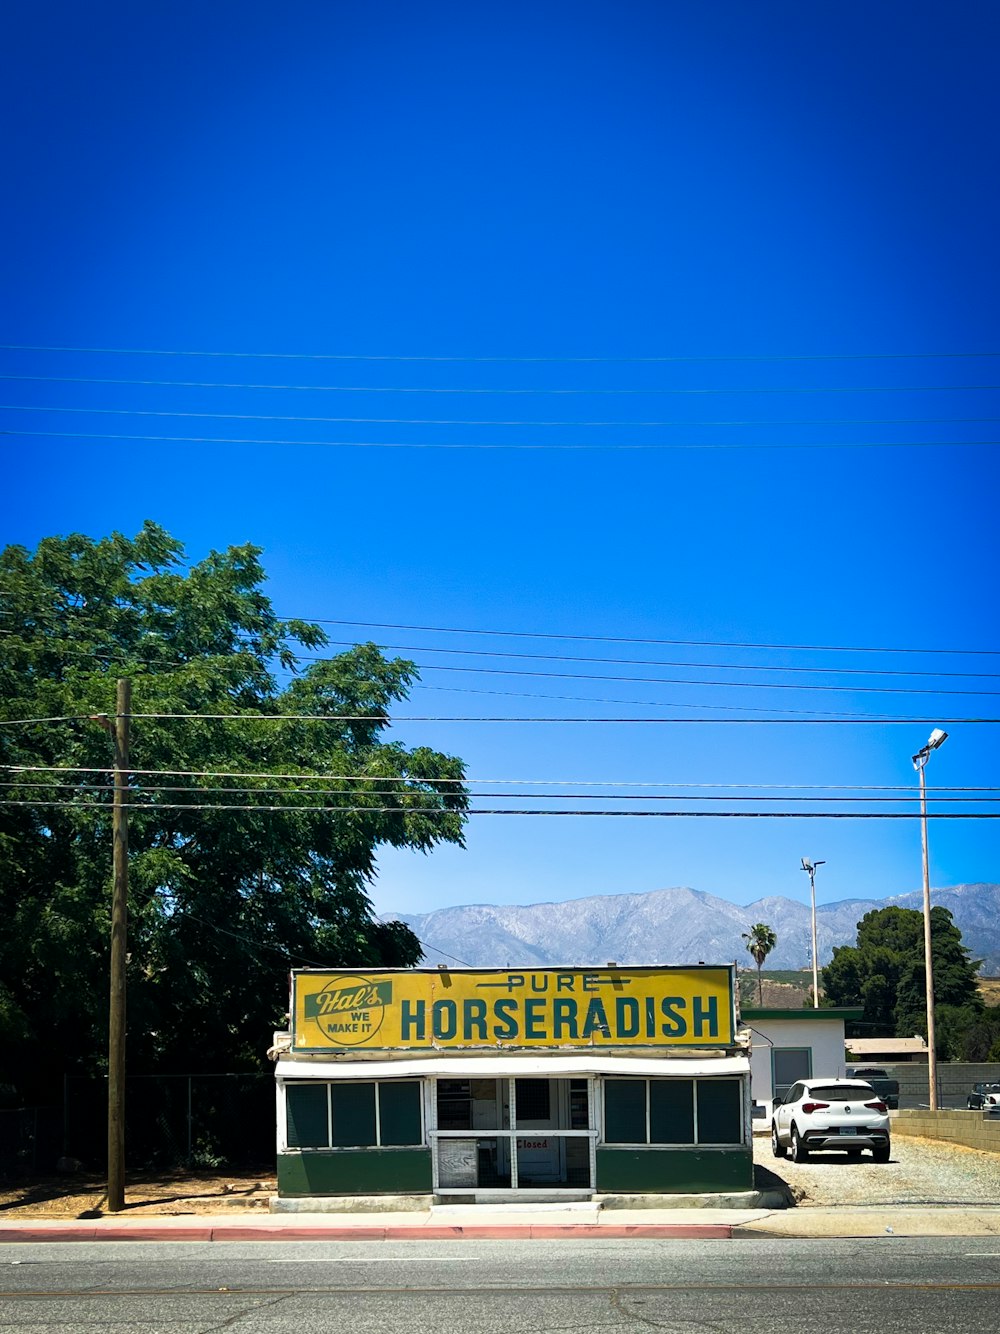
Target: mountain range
[{"x": 678, "y": 926}]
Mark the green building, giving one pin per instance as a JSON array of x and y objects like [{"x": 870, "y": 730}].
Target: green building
[{"x": 495, "y": 1084}]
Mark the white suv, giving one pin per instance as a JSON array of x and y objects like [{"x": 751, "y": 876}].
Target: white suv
[{"x": 830, "y": 1114}]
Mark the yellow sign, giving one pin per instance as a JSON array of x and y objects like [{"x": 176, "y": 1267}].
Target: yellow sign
[{"x": 503, "y": 1008}]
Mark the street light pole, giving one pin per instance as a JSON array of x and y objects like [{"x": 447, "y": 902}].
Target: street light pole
[
  {"x": 937, "y": 738},
  {"x": 810, "y": 867}
]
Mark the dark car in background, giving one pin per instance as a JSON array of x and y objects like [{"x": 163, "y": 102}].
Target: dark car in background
[
  {"x": 886, "y": 1088},
  {"x": 984, "y": 1097}
]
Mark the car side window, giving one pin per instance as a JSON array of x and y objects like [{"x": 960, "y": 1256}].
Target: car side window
[{"x": 794, "y": 1093}]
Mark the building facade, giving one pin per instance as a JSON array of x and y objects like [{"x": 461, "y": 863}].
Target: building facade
[
  {"x": 507, "y": 1083},
  {"x": 788, "y": 1045}
]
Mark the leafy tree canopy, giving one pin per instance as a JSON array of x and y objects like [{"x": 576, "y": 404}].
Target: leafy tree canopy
[
  {"x": 884, "y": 972},
  {"x": 223, "y": 901}
]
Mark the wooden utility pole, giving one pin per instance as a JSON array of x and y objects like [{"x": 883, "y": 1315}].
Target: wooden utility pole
[{"x": 118, "y": 729}]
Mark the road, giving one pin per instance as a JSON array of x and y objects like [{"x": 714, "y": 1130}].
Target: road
[{"x": 771, "y": 1286}]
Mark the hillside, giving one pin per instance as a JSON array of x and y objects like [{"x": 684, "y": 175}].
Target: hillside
[{"x": 679, "y": 926}]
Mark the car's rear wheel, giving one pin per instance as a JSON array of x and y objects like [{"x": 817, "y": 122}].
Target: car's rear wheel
[
  {"x": 799, "y": 1151},
  {"x": 777, "y": 1148},
  {"x": 881, "y": 1153}
]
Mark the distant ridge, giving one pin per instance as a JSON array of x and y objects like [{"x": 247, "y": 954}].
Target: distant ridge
[{"x": 678, "y": 926}]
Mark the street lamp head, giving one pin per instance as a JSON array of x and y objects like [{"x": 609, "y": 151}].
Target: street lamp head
[
  {"x": 936, "y": 738},
  {"x": 807, "y": 865}
]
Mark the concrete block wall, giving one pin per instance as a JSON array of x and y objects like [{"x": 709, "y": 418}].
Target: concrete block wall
[
  {"x": 955, "y": 1081},
  {"x": 976, "y": 1130}
]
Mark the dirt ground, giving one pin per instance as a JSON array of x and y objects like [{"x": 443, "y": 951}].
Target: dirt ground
[{"x": 176, "y": 1193}]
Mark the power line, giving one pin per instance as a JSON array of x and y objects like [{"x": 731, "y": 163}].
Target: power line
[
  {"x": 450, "y": 421},
  {"x": 363, "y": 356},
  {"x": 61, "y": 718},
  {"x": 555, "y": 657},
  {"x": 511, "y": 782},
  {"x": 251, "y": 944},
  {"x": 543, "y": 447},
  {"x": 621, "y": 639},
  {"x": 251, "y": 649},
  {"x": 506, "y": 392},
  {"x": 437, "y": 950},
  {"x": 687, "y": 681},
  {"x": 148, "y": 789},
  {"x": 851, "y": 720},
  {"x": 791, "y": 714},
  {"x": 646, "y": 662},
  {"x": 420, "y": 718},
  {"x": 436, "y": 810}
]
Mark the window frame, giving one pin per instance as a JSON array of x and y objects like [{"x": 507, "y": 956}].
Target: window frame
[
  {"x": 696, "y": 1142},
  {"x": 799, "y": 1079},
  {"x": 328, "y": 1085}
]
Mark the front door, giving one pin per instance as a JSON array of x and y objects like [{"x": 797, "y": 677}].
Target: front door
[
  {"x": 513, "y": 1134},
  {"x": 539, "y": 1157}
]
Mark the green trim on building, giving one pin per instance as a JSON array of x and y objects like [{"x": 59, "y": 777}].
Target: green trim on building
[
  {"x": 674, "y": 1171},
  {"x": 847, "y": 1014},
  {"x": 355, "y": 1172}
]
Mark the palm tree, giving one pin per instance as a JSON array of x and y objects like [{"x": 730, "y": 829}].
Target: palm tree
[{"x": 760, "y": 940}]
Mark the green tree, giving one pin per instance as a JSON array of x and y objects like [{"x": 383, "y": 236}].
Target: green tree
[
  {"x": 760, "y": 940},
  {"x": 884, "y": 972},
  {"x": 243, "y": 863},
  {"x": 980, "y": 1041}
]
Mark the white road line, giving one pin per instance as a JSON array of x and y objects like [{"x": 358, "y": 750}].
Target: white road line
[{"x": 370, "y": 1259}]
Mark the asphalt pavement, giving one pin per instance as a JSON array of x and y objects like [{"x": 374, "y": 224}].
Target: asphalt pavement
[{"x": 773, "y": 1286}]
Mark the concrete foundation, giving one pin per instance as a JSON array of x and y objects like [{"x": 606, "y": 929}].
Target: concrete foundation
[{"x": 350, "y": 1204}]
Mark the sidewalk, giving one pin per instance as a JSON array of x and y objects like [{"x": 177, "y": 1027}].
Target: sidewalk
[{"x": 461, "y": 1222}]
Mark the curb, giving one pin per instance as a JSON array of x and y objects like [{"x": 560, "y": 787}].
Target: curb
[{"x": 236, "y": 1232}]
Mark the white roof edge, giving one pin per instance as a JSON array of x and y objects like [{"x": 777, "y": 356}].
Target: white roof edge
[{"x": 495, "y": 1067}]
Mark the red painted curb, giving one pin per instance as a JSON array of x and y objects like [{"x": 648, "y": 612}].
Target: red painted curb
[
  {"x": 290, "y": 1232},
  {"x": 105, "y": 1234},
  {"x": 293, "y": 1232}
]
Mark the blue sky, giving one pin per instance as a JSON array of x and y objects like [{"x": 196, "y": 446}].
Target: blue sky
[{"x": 682, "y": 266}]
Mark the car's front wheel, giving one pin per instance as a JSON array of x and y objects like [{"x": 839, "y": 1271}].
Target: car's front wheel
[
  {"x": 799, "y": 1151},
  {"x": 777, "y": 1148}
]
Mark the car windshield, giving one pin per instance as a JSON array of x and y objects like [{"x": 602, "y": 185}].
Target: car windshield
[{"x": 842, "y": 1092}]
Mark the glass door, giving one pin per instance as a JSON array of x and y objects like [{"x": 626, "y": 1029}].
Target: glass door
[{"x": 513, "y": 1135}]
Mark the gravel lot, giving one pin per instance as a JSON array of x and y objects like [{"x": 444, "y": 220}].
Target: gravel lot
[{"x": 921, "y": 1171}]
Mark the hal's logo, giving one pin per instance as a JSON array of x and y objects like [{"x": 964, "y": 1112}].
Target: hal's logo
[{"x": 350, "y": 1009}]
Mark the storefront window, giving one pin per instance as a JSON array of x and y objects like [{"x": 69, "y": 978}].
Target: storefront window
[
  {"x": 399, "y": 1113},
  {"x": 353, "y": 1107},
  {"x": 720, "y": 1111},
  {"x": 343, "y": 1115},
  {"x": 472, "y": 1104},
  {"x": 308, "y": 1116},
  {"x": 673, "y": 1111},
  {"x": 625, "y": 1111}
]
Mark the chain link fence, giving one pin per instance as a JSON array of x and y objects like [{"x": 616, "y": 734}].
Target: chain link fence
[
  {"x": 193, "y": 1121},
  {"x": 954, "y": 1081},
  {"x": 30, "y": 1141}
]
